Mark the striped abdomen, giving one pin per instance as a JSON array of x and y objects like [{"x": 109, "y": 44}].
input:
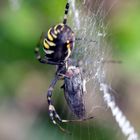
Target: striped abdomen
[{"x": 59, "y": 42}]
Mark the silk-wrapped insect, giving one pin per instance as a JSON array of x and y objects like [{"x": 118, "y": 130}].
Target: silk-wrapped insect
[{"x": 74, "y": 87}]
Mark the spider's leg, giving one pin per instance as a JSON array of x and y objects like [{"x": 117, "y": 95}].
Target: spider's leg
[
  {"x": 79, "y": 120},
  {"x": 66, "y": 13},
  {"x": 49, "y": 95},
  {"x": 52, "y": 112},
  {"x": 66, "y": 121},
  {"x": 63, "y": 75}
]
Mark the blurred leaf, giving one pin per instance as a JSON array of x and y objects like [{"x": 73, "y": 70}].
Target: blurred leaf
[{"x": 126, "y": 29}]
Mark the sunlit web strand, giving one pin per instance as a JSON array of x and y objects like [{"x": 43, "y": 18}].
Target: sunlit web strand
[
  {"x": 76, "y": 13},
  {"x": 124, "y": 124}
]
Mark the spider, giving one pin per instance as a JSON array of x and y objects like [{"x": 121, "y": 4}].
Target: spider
[{"x": 58, "y": 44}]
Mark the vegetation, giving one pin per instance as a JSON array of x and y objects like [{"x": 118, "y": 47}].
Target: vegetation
[{"x": 24, "y": 81}]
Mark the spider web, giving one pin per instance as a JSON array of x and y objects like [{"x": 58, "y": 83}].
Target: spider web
[{"x": 91, "y": 52}]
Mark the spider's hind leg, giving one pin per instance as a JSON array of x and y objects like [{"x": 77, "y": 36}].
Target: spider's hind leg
[
  {"x": 78, "y": 120},
  {"x": 52, "y": 112},
  {"x": 50, "y": 104}
]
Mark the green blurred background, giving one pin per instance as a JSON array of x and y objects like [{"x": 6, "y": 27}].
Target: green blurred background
[{"x": 24, "y": 81}]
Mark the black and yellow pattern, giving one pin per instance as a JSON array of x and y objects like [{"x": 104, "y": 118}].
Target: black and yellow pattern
[{"x": 58, "y": 43}]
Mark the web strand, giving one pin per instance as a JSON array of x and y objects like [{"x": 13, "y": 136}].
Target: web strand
[{"x": 93, "y": 55}]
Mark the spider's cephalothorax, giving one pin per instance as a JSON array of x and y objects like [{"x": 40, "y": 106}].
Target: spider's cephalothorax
[{"x": 58, "y": 43}]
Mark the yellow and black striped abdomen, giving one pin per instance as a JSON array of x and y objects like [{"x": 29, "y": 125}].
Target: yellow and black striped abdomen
[{"x": 59, "y": 42}]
